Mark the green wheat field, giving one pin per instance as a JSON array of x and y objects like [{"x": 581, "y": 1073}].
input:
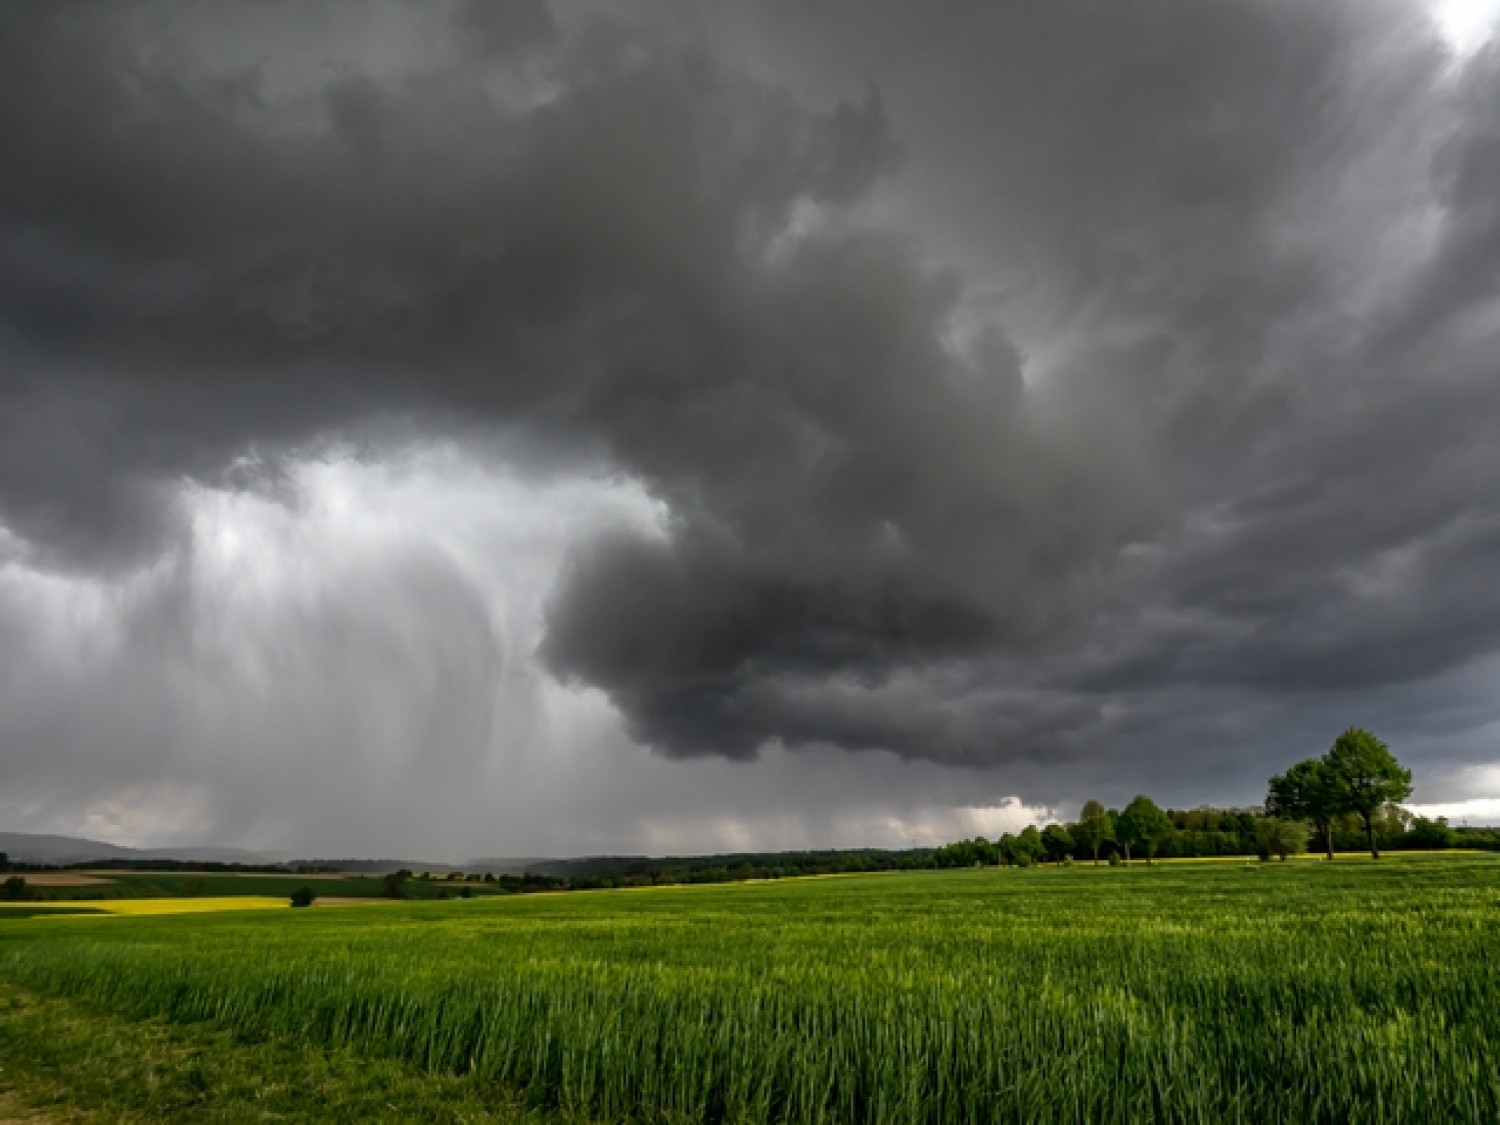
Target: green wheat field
[{"x": 1346, "y": 991}]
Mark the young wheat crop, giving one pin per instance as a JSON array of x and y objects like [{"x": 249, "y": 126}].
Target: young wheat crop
[{"x": 1308, "y": 992}]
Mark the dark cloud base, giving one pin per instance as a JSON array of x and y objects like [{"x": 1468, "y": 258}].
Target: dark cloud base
[{"x": 1231, "y": 439}]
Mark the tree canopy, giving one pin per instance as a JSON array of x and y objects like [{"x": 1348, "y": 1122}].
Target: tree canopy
[
  {"x": 1095, "y": 827},
  {"x": 1142, "y": 825},
  {"x": 1366, "y": 777},
  {"x": 1359, "y": 775},
  {"x": 1058, "y": 842}
]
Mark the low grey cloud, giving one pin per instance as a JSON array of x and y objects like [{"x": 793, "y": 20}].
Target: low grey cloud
[{"x": 1061, "y": 393}]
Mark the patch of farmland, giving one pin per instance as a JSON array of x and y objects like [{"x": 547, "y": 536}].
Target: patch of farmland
[
  {"x": 178, "y": 884},
  {"x": 65, "y": 879},
  {"x": 10, "y": 911},
  {"x": 178, "y": 872}
]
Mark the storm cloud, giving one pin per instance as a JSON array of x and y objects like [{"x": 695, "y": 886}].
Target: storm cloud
[{"x": 1079, "y": 396}]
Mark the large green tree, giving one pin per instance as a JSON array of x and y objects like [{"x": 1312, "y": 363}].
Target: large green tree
[
  {"x": 1142, "y": 825},
  {"x": 1308, "y": 791},
  {"x": 1095, "y": 827},
  {"x": 1367, "y": 777}
]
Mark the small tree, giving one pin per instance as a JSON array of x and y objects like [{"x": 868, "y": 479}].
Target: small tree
[
  {"x": 1281, "y": 838},
  {"x": 302, "y": 896},
  {"x": 1057, "y": 842},
  {"x": 1308, "y": 791},
  {"x": 1095, "y": 827},
  {"x": 13, "y": 889},
  {"x": 393, "y": 884},
  {"x": 1142, "y": 825},
  {"x": 1367, "y": 777}
]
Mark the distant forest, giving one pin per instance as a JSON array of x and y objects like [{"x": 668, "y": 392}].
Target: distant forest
[{"x": 1202, "y": 832}]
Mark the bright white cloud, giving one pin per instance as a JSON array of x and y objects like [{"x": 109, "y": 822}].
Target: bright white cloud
[
  {"x": 1466, "y": 25},
  {"x": 1479, "y": 811}
]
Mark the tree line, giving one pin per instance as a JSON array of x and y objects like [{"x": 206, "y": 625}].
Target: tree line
[{"x": 1348, "y": 798}]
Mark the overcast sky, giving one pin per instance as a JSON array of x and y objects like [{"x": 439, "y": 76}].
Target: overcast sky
[{"x": 452, "y": 430}]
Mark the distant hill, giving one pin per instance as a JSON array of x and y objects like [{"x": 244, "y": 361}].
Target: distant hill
[
  {"x": 43, "y": 848},
  {"x": 25, "y": 847},
  {"x": 29, "y": 847}
]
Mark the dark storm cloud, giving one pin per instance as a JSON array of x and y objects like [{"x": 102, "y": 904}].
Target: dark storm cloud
[
  {"x": 1203, "y": 413},
  {"x": 209, "y": 261}
]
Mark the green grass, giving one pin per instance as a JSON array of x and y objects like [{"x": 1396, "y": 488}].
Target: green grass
[
  {"x": 62, "y": 1060},
  {"x": 1216, "y": 993},
  {"x": 10, "y": 911}
]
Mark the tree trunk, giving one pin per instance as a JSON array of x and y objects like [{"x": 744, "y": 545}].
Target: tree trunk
[
  {"x": 1127, "y": 855},
  {"x": 1370, "y": 833},
  {"x": 1096, "y": 855},
  {"x": 1328, "y": 837}
]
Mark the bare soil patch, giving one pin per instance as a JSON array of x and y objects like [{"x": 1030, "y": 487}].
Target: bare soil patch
[{"x": 246, "y": 874}]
